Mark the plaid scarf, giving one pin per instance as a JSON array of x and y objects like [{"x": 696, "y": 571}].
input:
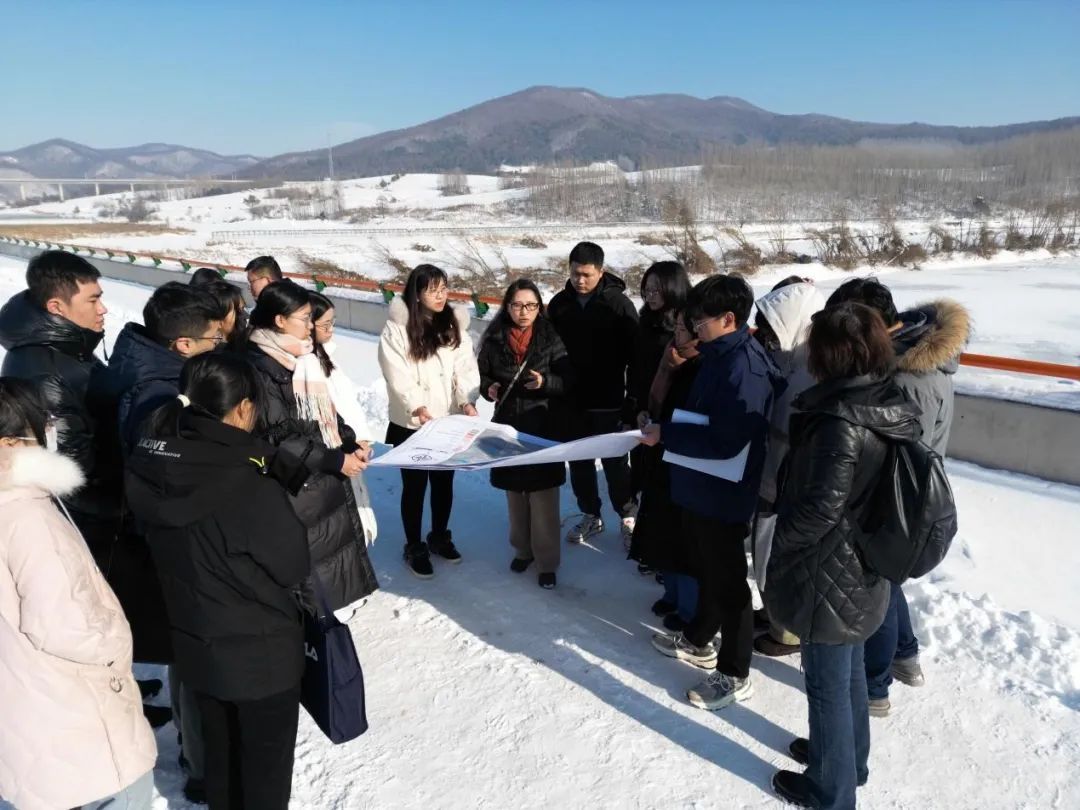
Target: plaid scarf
[{"x": 310, "y": 386}]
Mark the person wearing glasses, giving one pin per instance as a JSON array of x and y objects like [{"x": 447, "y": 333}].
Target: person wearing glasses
[
  {"x": 179, "y": 322},
  {"x": 735, "y": 389},
  {"x": 298, "y": 417},
  {"x": 525, "y": 371},
  {"x": 345, "y": 396},
  {"x": 426, "y": 356},
  {"x": 664, "y": 288}
]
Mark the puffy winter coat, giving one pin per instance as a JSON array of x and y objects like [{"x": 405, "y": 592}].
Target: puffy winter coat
[
  {"x": 229, "y": 552},
  {"x": 788, "y": 311},
  {"x": 735, "y": 387},
  {"x": 345, "y": 396},
  {"x": 59, "y": 357},
  {"x": 600, "y": 338},
  {"x": 655, "y": 331},
  {"x": 542, "y": 412},
  {"x": 928, "y": 348},
  {"x": 443, "y": 383},
  {"x": 817, "y": 586},
  {"x": 72, "y": 729},
  {"x": 325, "y": 502}
]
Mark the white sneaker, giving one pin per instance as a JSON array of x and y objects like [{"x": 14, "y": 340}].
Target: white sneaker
[
  {"x": 589, "y": 526},
  {"x": 719, "y": 690},
  {"x": 676, "y": 646}
]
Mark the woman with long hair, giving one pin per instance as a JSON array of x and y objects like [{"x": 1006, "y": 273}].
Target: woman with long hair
[
  {"x": 344, "y": 394},
  {"x": 298, "y": 417},
  {"x": 426, "y": 356},
  {"x": 816, "y": 584},
  {"x": 664, "y": 288},
  {"x": 231, "y": 301},
  {"x": 73, "y": 729},
  {"x": 525, "y": 371},
  {"x": 229, "y": 551}
]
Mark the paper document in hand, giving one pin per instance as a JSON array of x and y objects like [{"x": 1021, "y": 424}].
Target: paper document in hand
[
  {"x": 730, "y": 469},
  {"x": 467, "y": 443},
  {"x": 681, "y": 417}
]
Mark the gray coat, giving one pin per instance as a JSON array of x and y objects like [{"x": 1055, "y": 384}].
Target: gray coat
[{"x": 928, "y": 347}]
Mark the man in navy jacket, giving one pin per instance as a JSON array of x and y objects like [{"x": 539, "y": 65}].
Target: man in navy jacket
[{"x": 735, "y": 389}]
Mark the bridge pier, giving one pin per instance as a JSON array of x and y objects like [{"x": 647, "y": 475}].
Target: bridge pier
[
  {"x": 61, "y": 187},
  {"x": 22, "y": 191},
  {"x": 97, "y": 189}
]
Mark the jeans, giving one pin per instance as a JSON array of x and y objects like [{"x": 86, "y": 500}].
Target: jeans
[
  {"x": 413, "y": 488},
  {"x": 724, "y": 604},
  {"x": 839, "y": 722},
  {"x": 894, "y": 639},
  {"x": 681, "y": 590},
  {"x": 136, "y": 796},
  {"x": 250, "y": 746},
  {"x": 583, "y": 478}
]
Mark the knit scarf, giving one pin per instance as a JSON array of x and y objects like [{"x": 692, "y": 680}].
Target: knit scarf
[
  {"x": 310, "y": 386},
  {"x": 519, "y": 340}
]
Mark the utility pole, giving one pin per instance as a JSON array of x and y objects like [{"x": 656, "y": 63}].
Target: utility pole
[{"x": 330, "y": 151}]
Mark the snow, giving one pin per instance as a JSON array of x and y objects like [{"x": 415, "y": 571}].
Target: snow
[{"x": 486, "y": 691}]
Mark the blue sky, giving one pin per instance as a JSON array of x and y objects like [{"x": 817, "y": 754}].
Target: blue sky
[{"x": 270, "y": 77}]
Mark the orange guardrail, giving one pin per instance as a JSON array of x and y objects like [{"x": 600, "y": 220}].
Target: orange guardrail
[{"x": 1010, "y": 364}]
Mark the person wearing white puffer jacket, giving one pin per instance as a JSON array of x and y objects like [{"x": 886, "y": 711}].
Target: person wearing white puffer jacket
[
  {"x": 427, "y": 358},
  {"x": 783, "y": 323},
  {"x": 73, "y": 732}
]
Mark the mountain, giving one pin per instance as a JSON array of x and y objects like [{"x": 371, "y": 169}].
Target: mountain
[
  {"x": 60, "y": 158},
  {"x": 553, "y": 124}
]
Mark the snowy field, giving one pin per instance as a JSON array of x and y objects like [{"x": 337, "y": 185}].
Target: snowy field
[{"x": 485, "y": 691}]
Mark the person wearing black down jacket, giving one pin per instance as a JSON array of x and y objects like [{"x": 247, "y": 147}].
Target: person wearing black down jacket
[
  {"x": 230, "y": 552},
  {"x": 298, "y": 417},
  {"x": 817, "y": 585},
  {"x": 524, "y": 370}
]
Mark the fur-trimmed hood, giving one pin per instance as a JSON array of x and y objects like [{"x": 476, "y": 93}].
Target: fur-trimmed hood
[
  {"x": 399, "y": 313},
  {"x": 37, "y": 468},
  {"x": 932, "y": 337}
]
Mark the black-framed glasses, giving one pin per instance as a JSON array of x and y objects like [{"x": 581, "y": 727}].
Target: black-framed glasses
[{"x": 519, "y": 307}]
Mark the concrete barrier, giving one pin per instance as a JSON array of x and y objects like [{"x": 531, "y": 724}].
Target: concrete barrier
[{"x": 1000, "y": 433}]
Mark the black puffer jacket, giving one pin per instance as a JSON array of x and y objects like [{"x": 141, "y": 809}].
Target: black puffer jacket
[
  {"x": 229, "y": 552},
  {"x": 59, "y": 357},
  {"x": 540, "y": 413},
  {"x": 817, "y": 587},
  {"x": 599, "y": 337},
  {"x": 325, "y": 503},
  {"x": 654, "y": 332}
]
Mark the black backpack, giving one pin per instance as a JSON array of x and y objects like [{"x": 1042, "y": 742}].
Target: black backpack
[{"x": 909, "y": 522}]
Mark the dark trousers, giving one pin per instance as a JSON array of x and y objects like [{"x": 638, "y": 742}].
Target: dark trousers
[
  {"x": 724, "y": 602},
  {"x": 894, "y": 639},
  {"x": 414, "y": 485},
  {"x": 839, "y": 722},
  {"x": 249, "y": 750},
  {"x": 616, "y": 470}
]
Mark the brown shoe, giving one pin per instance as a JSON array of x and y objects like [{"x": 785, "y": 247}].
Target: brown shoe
[{"x": 767, "y": 645}]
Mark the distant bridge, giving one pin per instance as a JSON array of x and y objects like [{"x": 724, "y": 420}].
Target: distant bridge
[{"x": 130, "y": 182}]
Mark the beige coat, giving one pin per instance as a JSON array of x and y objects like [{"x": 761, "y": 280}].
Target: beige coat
[
  {"x": 72, "y": 728},
  {"x": 443, "y": 384}
]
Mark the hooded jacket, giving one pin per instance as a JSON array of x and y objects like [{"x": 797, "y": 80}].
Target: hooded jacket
[
  {"x": 324, "y": 502},
  {"x": 443, "y": 383},
  {"x": 817, "y": 586},
  {"x": 541, "y": 412},
  {"x": 73, "y": 727},
  {"x": 736, "y": 387},
  {"x": 599, "y": 339},
  {"x": 928, "y": 347},
  {"x": 788, "y": 311},
  {"x": 229, "y": 552},
  {"x": 58, "y": 356}
]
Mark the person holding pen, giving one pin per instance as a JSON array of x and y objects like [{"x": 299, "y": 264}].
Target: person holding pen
[{"x": 735, "y": 389}]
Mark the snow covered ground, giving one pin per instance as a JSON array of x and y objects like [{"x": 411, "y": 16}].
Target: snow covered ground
[{"x": 486, "y": 691}]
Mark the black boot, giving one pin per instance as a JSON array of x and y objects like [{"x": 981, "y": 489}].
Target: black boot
[
  {"x": 800, "y": 750},
  {"x": 418, "y": 560},
  {"x": 149, "y": 688},
  {"x": 793, "y": 788},
  {"x": 441, "y": 545},
  {"x": 156, "y": 716}
]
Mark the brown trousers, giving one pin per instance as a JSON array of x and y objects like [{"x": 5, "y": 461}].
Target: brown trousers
[{"x": 535, "y": 530}]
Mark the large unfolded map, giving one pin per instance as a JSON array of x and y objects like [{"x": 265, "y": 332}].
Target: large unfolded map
[{"x": 467, "y": 443}]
